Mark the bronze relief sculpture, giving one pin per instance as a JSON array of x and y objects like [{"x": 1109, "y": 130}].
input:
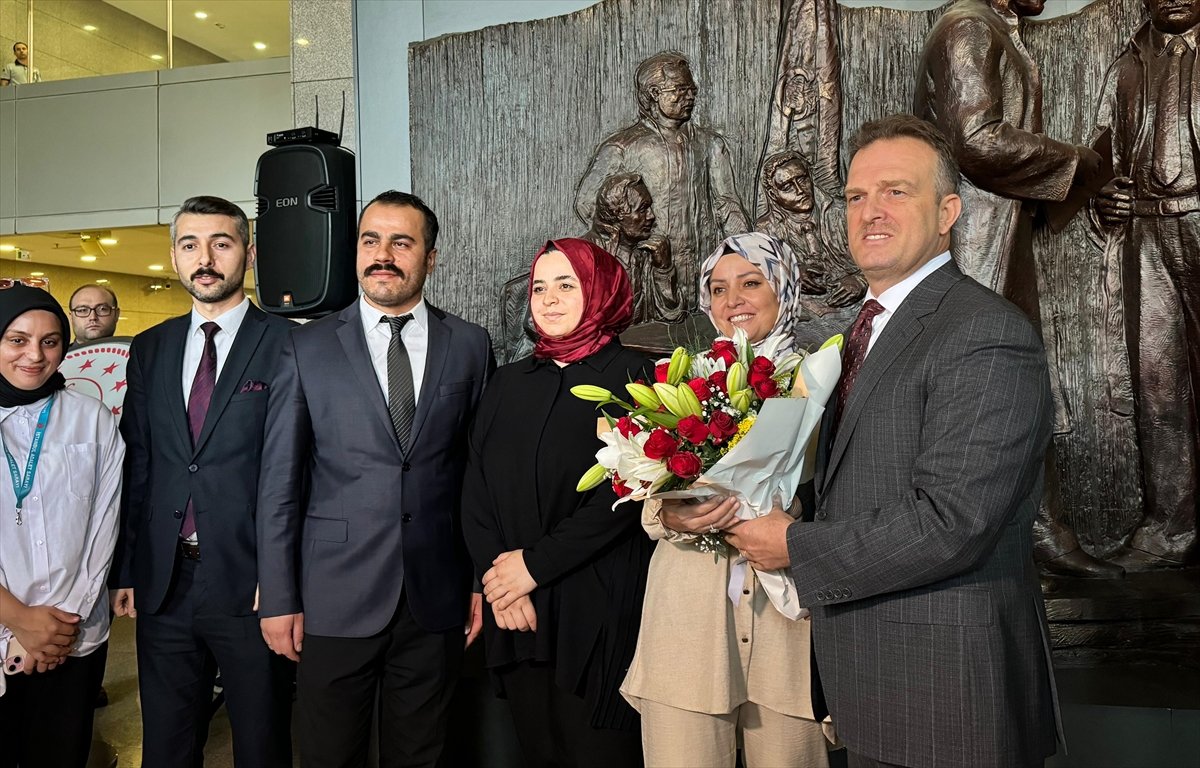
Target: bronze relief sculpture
[
  {"x": 1150, "y": 215},
  {"x": 686, "y": 168},
  {"x": 979, "y": 85}
]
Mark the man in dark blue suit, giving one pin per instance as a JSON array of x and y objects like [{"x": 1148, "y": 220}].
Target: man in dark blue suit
[
  {"x": 193, "y": 427},
  {"x": 363, "y": 580}
]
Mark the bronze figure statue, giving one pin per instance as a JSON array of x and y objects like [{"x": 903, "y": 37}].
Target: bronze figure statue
[
  {"x": 686, "y": 168},
  {"x": 623, "y": 225},
  {"x": 815, "y": 231},
  {"x": 980, "y": 86},
  {"x": 1150, "y": 214}
]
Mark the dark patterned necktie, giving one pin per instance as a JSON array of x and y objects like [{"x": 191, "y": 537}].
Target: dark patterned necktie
[
  {"x": 856, "y": 352},
  {"x": 198, "y": 400},
  {"x": 1168, "y": 122},
  {"x": 402, "y": 401}
]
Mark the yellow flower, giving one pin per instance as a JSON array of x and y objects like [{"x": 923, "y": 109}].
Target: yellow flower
[{"x": 743, "y": 428}]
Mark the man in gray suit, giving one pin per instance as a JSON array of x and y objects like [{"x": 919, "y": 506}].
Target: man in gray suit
[
  {"x": 928, "y": 623},
  {"x": 359, "y": 546}
]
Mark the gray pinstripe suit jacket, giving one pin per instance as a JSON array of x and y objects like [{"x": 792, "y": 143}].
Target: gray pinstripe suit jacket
[{"x": 928, "y": 622}]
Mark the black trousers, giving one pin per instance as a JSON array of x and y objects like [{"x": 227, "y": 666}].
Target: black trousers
[
  {"x": 553, "y": 725},
  {"x": 414, "y": 673},
  {"x": 46, "y": 717},
  {"x": 179, "y": 651}
]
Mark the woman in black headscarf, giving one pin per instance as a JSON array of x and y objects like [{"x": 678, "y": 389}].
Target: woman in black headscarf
[{"x": 59, "y": 514}]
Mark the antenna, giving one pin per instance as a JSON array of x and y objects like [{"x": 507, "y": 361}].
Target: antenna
[
  {"x": 317, "y": 104},
  {"x": 342, "y": 122}
]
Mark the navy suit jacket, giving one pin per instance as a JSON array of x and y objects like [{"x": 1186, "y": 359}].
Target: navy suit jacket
[
  {"x": 220, "y": 473},
  {"x": 347, "y": 518}
]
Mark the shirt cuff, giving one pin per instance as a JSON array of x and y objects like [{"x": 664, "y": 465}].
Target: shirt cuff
[{"x": 654, "y": 527}]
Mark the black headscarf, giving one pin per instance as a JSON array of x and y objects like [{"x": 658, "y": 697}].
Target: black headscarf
[{"x": 14, "y": 302}]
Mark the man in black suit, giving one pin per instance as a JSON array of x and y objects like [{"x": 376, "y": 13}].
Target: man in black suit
[
  {"x": 193, "y": 427},
  {"x": 363, "y": 578}
]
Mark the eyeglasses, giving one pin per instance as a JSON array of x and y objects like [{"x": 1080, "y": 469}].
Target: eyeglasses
[
  {"x": 682, "y": 90},
  {"x": 32, "y": 282},
  {"x": 101, "y": 310}
]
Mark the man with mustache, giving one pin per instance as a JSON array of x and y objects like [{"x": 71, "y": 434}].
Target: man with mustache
[
  {"x": 360, "y": 551},
  {"x": 1151, "y": 101},
  {"x": 186, "y": 565}
]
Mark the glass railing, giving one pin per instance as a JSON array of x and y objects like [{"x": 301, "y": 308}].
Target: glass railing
[{"x": 45, "y": 40}]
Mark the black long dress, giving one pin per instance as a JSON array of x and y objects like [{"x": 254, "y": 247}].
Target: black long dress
[{"x": 530, "y": 443}]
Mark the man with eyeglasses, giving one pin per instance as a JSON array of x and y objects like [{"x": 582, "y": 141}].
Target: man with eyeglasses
[{"x": 94, "y": 314}]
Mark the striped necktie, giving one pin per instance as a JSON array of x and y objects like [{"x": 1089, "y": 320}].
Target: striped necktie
[{"x": 402, "y": 401}]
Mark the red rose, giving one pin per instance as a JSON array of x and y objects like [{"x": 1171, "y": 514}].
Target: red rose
[
  {"x": 765, "y": 387},
  {"x": 724, "y": 350},
  {"x": 685, "y": 465},
  {"x": 627, "y": 427},
  {"x": 722, "y": 426},
  {"x": 700, "y": 387},
  {"x": 660, "y": 372},
  {"x": 693, "y": 429},
  {"x": 717, "y": 380},
  {"x": 762, "y": 365},
  {"x": 620, "y": 487},
  {"x": 660, "y": 445}
]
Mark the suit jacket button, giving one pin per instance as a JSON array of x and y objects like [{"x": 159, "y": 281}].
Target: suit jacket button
[
  {"x": 828, "y": 595},
  {"x": 820, "y": 596},
  {"x": 406, "y": 466},
  {"x": 405, "y": 517},
  {"x": 822, "y": 515},
  {"x": 837, "y": 593},
  {"x": 193, "y": 468},
  {"x": 845, "y": 593},
  {"x": 178, "y": 514}
]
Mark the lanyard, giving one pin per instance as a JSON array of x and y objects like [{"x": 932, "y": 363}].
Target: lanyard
[{"x": 22, "y": 486}]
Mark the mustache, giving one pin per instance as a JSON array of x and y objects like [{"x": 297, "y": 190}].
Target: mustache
[
  {"x": 383, "y": 268},
  {"x": 209, "y": 271}
]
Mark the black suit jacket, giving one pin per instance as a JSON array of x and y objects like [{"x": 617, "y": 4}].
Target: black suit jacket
[
  {"x": 377, "y": 519},
  {"x": 220, "y": 474}
]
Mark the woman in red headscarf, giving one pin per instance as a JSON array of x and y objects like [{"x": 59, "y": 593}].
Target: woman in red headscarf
[{"x": 563, "y": 572}]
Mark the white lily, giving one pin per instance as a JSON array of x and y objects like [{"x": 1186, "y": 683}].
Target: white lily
[{"x": 626, "y": 456}]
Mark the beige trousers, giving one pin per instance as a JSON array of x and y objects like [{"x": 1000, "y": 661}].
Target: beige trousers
[{"x": 679, "y": 738}]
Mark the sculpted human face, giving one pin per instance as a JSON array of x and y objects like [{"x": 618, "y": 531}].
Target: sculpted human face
[
  {"x": 792, "y": 188},
  {"x": 677, "y": 95},
  {"x": 557, "y": 301},
  {"x": 210, "y": 257},
  {"x": 92, "y": 325},
  {"x": 1174, "y": 16},
  {"x": 639, "y": 222},
  {"x": 31, "y": 349},
  {"x": 895, "y": 221},
  {"x": 742, "y": 298},
  {"x": 392, "y": 260}
]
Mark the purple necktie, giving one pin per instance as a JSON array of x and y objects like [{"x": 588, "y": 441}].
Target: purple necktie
[
  {"x": 856, "y": 352},
  {"x": 201, "y": 396}
]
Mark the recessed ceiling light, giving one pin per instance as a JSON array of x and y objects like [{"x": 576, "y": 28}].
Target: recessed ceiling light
[
  {"x": 301, "y": 41},
  {"x": 87, "y": 258},
  {"x": 156, "y": 267},
  {"x": 261, "y": 46},
  {"x": 101, "y": 281},
  {"x": 108, "y": 241},
  {"x": 36, "y": 274},
  {"x": 8, "y": 247},
  {"x": 88, "y": 28},
  {"x": 156, "y": 57},
  {"x": 201, "y": 15}
]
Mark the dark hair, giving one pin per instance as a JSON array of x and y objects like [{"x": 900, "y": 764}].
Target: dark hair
[
  {"x": 909, "y": 126},
  {"x": 612, "y": 200},
  {"x": 105, "y": 288},
  {"x": 206, "y": 205},
  {"x": 406, "y": 200},
  {"x": 19, "y": 43}
]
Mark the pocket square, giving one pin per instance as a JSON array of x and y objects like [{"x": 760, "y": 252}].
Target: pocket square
[{"x": 253, "y": 386}]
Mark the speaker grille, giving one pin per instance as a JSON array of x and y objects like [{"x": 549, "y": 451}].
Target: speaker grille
[
  {"x": 324, "y": 199},
  {"x": 261, "y": 207}
]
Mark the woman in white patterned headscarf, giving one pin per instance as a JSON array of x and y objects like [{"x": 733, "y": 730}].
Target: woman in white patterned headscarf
[
  {"x": 755, "y": 682},
  {"x": 753, "y": 281}
]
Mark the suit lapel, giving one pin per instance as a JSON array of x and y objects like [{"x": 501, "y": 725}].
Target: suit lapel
[
  {"x": 435, "y": 360},
  {"x": 244, "y": 344},
  {"x": 900, "y": 331},
  {"x": 171, "y": 377},
  {"x": 354, "y": 344}
]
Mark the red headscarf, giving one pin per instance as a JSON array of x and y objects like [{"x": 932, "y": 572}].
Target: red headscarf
[{"x": 607, "y": 301}]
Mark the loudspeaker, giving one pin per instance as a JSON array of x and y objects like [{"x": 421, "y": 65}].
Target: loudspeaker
[{"x": 305, "y": 230}]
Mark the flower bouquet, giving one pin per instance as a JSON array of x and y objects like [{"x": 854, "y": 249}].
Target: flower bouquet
[{"x": 724, "y": 422}]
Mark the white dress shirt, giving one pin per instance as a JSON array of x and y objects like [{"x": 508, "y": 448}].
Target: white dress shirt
[
  {"x": 61, "y": 552},
  {"x": 230, "y": 322},
  {"x": 893, "y": 297},
  {"x": 415, "y": 337}
]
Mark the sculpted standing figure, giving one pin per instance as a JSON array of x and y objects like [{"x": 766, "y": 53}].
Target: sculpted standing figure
[
  {"x": 1151, "y": 102},
  {"x": 686, "y": 167},
  {"x": 623, "y": 225},
  {"x": 979, "y": 85}
]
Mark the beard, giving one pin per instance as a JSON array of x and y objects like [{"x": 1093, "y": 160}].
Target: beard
[
  {"x": 392, "y": 293},
  {"x": 217, "y": 292}
]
